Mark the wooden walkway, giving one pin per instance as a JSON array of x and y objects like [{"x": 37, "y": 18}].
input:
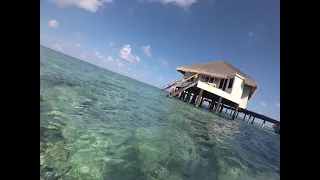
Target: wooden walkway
[
  {"x": 185, "y": 96},
  {"x": 252, "y": 114}
]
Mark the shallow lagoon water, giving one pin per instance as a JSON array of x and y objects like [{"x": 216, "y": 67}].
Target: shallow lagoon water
[{"x": 96, "y": 124}]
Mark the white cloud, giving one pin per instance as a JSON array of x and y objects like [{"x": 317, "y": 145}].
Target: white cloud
[
  {"x": 57, "y": 46},
  {"x": 53, "y": 24},
  {"x": 147, "y": 50},
  {"x": 180, "y": 3},
  {"x": 145, "y": 65},
  {"x": 143, "y": 74},
  {"x": 98, "y": 55},
  {"x": 123, "y": 71},
  {"x": 120, "y": 65},
  {"x": 125, "y": 54},
  {"x": 109, "y": 59},
  {"x": 278, "y": 105},
  {"x": 79, "y": 36},
  {"x": 259, "y": 26},
  {"x": 110, "y": 44},
  {"x": 256, "y": 28},
  {"x": 128, "y": 69},
  {"x": 78, "y": 45},
  {"x": 164, "y": 62},
  {"x": 134, "y": 75},
  {"x": 83, "y": 55},
  {"x": 137, "y": 58},
  {"x": 263, "y": 103},
  {"x": 90, "y": 5}
]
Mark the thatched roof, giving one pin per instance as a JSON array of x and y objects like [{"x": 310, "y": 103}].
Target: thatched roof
[{"x": 219, "y": 69}]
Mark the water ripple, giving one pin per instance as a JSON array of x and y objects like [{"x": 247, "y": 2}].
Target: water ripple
[{"x": 95, "y": 124}]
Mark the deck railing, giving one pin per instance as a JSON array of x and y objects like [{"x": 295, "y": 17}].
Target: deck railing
[{"x": 174, "y": 84}]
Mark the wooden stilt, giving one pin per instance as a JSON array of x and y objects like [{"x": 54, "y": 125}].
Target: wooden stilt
[
  {"x": 178, "y": 95},
  {"x": 231, "y": 112},
  {"x": 182, "y": 95},
  {"x": 252, "y": 120},
  {"x": 235, "y": 112},
  {"x": 262, "y": 126},
  {"x": 194, "y": 97},
  {"x": 244, "y": 117},
  {"x": 221, "y": 108},
  {"x": 199, "y": 97},
  {"x": 211, "y": 106},
  {"x": 226, "y": 111},
  {"x": 249, "y": 119},
  {"x": 218, "y": 104},
  {"x": 201, "y": 101},
  {"x": 188, "y": 97}
]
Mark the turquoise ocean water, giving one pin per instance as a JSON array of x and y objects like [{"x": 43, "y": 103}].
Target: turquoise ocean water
[{"x": 96, "y": 124}]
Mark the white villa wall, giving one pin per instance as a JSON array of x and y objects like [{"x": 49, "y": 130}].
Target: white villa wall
[
  {"x": 244, "y": 97},
  {"x": 237, "y": 87},
  {"x": 238, "y": 93},
  {"x": 218, "y": 92}
]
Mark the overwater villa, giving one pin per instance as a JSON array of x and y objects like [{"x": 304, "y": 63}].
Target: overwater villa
[{"x": 219, "y": 83}]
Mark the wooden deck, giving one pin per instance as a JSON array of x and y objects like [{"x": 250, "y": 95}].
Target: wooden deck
[
  {"x": 253, "y": 114},
  {"x": 226, "y": 105}
]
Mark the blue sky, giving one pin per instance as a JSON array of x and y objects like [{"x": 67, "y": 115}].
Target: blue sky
[{"x": 147, "y": 39}]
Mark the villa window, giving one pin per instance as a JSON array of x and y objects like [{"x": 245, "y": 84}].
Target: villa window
[
  {"x": 230, "y": 83},
  {"x": 206, "y": 79},
  {"x": 211, "y": 80},
  {"x": 221, "y": 83}
]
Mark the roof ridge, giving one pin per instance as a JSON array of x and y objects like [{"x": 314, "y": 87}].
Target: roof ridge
[
  {"x": 204, "y": 63},
  {"x": 237, "y": 69}
]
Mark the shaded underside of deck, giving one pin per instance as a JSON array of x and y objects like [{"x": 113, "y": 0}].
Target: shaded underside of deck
[{"x": 230, "y": 105}]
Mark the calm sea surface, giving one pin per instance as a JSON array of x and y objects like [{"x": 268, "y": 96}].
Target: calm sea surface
[{"x": 96, "y": 124}]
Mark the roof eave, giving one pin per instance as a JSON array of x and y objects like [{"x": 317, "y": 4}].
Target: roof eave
[{"x": 251, "y": 83}]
